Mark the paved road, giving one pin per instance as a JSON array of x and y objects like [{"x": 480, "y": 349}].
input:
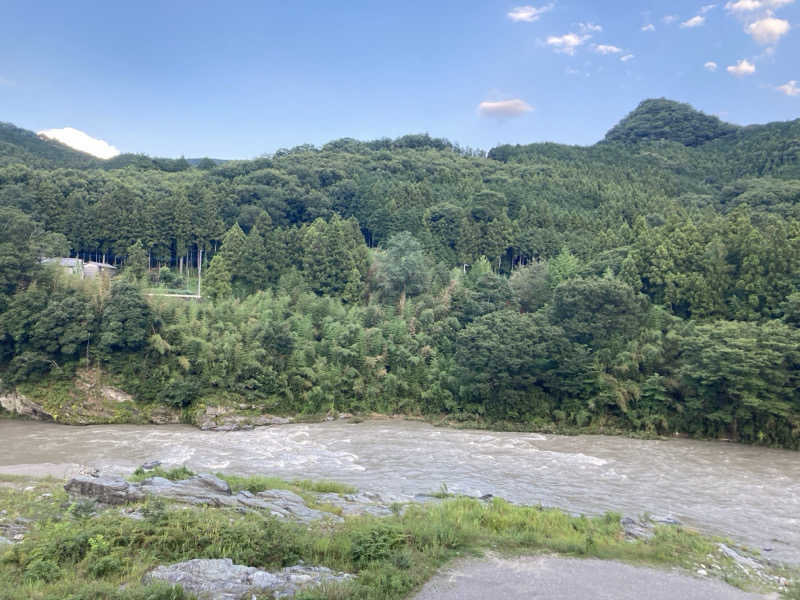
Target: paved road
[{"x": 555, "y": 578}]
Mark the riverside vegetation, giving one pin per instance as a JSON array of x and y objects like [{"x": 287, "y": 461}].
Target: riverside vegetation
[
  {"x": 73, "y": 548},
  {"x": 646, "y": 284}
]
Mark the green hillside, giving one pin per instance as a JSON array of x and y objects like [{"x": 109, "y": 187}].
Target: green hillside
[
  {"x": 649, "y": 283},
  {"x": 23, "y": 146}
]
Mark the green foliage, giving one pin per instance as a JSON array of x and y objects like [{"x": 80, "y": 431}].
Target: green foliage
[
  {"x": 668, "y": 120},
  {"x": 390, "y": 276},
  {"x": 217, "y": 282},
  {"x": 127, "y": 320},
  {"x": 174, "y": 474},
  {"x": 137, "y": 260},
  {"x": 402, "y": 270}
]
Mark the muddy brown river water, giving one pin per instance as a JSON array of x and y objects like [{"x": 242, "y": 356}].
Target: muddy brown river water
[{"x": 750, "y": 494}]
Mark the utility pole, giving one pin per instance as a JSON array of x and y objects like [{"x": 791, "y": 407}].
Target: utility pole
[{"x": 199, "y": 267}]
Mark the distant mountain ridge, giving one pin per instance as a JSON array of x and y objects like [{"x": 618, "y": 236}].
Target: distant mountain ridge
[{"x": 747, "y": 150}]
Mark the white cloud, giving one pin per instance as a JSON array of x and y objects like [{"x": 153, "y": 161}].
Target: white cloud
[
  {"x": 707, "y": 8},
  {"x": 567, "y": 43},
  {"x": 694, "y": 22},
  {"x": 789, "y": 88},
  {"x": 627, "y": 57},
  {"x": 528, "y": 14},
  {"x": 768, "y": 30},
  {"x": 742, "y": 7},
  {"x": 606, "y": 49},
  {"x": 711, "y": 65},
  {"x": 669, "y": 19},
  {"x": 590, "y": 27},
  {"x": 504, "y": 108},
  {"x": 649, "y": 27},
  {"x": 743, "y": 67},
  {"x": 79, "y": 140}
]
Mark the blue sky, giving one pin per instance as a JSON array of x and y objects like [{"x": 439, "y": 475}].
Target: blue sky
[{"x": 238, "y": 79}]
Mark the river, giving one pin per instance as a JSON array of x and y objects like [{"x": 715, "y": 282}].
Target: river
[{"x": 748, "y": 493}]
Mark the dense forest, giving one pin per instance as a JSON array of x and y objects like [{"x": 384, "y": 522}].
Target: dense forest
[{"x": 648, "y": 283}]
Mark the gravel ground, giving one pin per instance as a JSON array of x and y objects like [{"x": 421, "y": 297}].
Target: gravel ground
[{"x": 555, "y": 578}]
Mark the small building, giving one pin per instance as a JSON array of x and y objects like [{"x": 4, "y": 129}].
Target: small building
[{"x": 83, "y": 269}]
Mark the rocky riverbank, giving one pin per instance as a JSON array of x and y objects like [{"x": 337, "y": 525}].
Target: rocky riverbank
[{"x": 230, "y": 537}]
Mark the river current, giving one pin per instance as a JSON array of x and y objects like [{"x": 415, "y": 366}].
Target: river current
[{"x": 750, "y": 494}]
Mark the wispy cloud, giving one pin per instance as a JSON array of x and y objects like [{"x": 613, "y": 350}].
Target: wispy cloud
[
  {"x": 529, "y": 14},
  {"x": 694, "y": 22},
  {"x": 707, "y": 8},
  {"x": 769, "y": 30},
  {"x": 6, "y": 82},
  {"x": 743, "y": 67},
  {"x": 74, "y": 138},
  {"x": 649, "y": 27},
  {"x": 711, "y": 66},
  {"x": 742, "y": 7},
  {"x": 627, "y": 57},
  {"x": 669, "y": 19},
  {"x": 504, "y": 108},
  {"x": 567, "y": 43},
  {"x": 590, "y": 27},
  {"x": 789, "y": 88},
  {"x": 606, "y": 49}
]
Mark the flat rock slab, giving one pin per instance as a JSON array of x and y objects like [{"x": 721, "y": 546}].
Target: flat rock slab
[
  {"x": 556, "y": 578},
  {"x": 220, "y": 579}
]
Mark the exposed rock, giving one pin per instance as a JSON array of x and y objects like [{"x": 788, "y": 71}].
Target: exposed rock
[
  {"x": 150, "y": 465},
  {"x": 164, "y": 415},
  {"x": 16, "y": 403},
  {"x": 4, "y": 542},
  {"x": 205, "y": 490},
  {"x": 743, "y": 562},
  {"x": 113, "y": 394},
  {"x": 220, "y": 579},
  {"x": 288, "y": 504},
  {"x": 200, "y": 489},
  {"x": 106, "y": 490},
  {"x": 15, "y": 528},
  {"x": 636, "y": 530},
  {"x": 223, "y": 418},
  {"x": 665, "y": 520},
  {"x": 362, "y": 503},
  {"x": 90, "y": 401}
]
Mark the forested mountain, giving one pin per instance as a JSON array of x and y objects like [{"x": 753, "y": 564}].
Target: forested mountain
[
  {"x": 649, "y": 282},
  {"x": 23, "y": 146}
]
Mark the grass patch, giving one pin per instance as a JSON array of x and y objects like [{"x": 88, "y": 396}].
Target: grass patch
[
  {"x": 260, "y": 483},
  {"x": 175, "y": 474},
  {"x": 71, "y": 553}
]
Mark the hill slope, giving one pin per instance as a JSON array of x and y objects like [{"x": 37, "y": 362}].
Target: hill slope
[
  {"x": 22, "y": 146},
  {"x": 661, "y": 119}
]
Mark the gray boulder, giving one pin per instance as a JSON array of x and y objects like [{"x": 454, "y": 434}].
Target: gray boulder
[
  {"x": 199, "y": 489},
  {"x": 285, "y": 503},
  {"x": 362, "y": 503},
  {"x": 108, "y": 490},
  {"x": 207, "y": 490},
  {"x": 220, "y": 579}
]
